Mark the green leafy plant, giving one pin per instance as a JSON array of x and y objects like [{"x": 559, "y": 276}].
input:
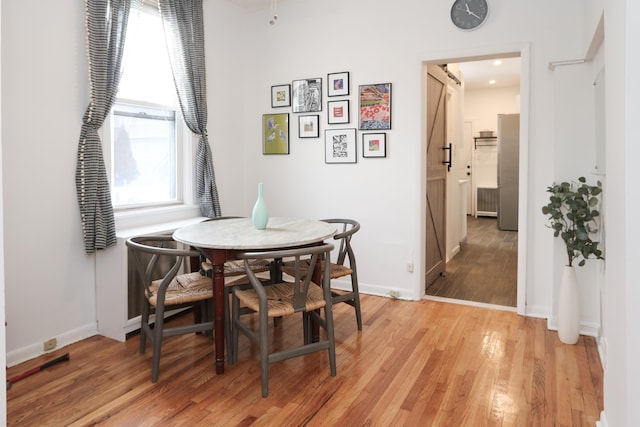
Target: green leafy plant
[{"x": 573, "y": 215}]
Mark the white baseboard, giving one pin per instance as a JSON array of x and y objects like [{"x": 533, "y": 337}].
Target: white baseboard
[
  {"x": 603, "y": 420},
  {"x": 34, "y": 350},
  {"x": 586, "y": 328}
]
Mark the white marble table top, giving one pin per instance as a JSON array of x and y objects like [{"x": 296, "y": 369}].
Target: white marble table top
[{"x": 240, "y": 234}]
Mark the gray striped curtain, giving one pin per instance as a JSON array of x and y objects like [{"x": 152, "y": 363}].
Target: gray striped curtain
[
  {"x": 106, "y": 26},
  {"x": 184, "y": 33}
]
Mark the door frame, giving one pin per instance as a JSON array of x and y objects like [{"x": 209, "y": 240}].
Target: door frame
[{"x": 489, "y": 52}]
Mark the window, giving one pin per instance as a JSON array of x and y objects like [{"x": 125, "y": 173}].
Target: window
[{"x": 146, "y": 158}]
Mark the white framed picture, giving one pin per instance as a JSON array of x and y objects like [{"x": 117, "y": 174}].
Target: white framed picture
[{"x": 340, "y": 145}]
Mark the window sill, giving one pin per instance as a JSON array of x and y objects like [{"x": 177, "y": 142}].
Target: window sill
[{"x": 153, "y": 218}]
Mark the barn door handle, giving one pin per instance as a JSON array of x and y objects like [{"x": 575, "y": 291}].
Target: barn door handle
[{"x": 447, "y": 162}]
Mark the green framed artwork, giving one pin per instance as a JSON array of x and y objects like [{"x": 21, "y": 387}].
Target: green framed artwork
[{"x": 275, "y": 133}]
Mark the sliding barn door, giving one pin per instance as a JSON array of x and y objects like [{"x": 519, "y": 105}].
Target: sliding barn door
[{"x": 436, "y": 173}]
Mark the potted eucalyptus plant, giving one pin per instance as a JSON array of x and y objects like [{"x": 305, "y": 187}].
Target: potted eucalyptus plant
[{"x": 573, "y": 216}]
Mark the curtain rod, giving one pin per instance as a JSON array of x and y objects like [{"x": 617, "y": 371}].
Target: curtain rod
[{"x": 554, "y": 64}]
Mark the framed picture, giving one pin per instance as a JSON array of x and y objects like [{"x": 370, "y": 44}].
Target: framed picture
[
  {"x": 338, "y": 111},
  {"x": 307, "y": 95},
  {"x": 340, "y": 146},
  {"x": 309, "y": 126},
  {"x": 275, "y": 133},
  {"x": 281, "y": 96},
  {"x": 338, "y": 84},
  {"x": 375, "y": 106},
  {"x": 374, "y": 145}
]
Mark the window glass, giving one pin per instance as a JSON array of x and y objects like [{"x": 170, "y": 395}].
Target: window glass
[{"x": 145, "y": 143}]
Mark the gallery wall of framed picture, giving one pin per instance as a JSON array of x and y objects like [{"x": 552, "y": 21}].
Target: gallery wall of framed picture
[{"x": 304, "y": 96}]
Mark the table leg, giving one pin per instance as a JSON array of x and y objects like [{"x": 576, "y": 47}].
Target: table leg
[{"x": 218, "y": 257}]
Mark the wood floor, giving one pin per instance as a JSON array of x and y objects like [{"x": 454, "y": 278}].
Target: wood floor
[
  {"x": 416, "y": 363},
  {"x": 485, "y": 270}
]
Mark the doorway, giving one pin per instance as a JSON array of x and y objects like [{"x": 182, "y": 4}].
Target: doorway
[{"x": 483, "y": 263}]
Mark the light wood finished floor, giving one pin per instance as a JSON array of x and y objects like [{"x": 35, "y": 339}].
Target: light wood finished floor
[
  {"x": 423, "y": 363},
  {"x": 486, "y": 268}
]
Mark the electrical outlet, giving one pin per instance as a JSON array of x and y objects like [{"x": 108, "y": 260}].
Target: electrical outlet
[
  {"x": 410, "y": 267},
  {"x": 394, "y": 294},
  {"x": 50, "y": 344}
]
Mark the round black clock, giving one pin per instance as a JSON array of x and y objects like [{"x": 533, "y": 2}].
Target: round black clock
[{"x": 469, "y": 14}]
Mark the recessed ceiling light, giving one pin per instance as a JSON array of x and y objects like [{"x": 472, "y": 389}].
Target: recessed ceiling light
[
  {"x": 497, "y": 62},
  {"x": 492, "y": 82}
]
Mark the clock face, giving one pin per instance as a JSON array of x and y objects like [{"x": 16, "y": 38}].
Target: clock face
[{"x": 469, "y": 14}]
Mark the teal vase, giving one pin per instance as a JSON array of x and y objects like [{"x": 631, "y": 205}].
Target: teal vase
[{"x": 260, "y": 215}]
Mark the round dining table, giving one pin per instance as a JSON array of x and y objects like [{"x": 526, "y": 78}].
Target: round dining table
[{"x": 220, "y": 239}]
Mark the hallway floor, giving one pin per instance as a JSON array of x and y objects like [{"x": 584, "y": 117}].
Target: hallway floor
[{"x": 485, "y": 269}]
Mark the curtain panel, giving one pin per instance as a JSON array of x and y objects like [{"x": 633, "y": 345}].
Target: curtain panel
[
  {"x": 106, "y": 27},
  {"x": 184, "y": 35}
]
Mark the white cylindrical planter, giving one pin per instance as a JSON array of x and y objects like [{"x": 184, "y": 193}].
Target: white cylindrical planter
[{"x": 569, "y": 307}]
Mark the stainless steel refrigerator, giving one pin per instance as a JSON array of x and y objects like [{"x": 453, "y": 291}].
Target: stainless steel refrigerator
[{"x": 508, "y": 158}]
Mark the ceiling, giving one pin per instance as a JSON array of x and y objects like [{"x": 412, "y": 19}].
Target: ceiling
[
  {"x": 476, "y": 73},
  {"x": 253, "y": 4}
]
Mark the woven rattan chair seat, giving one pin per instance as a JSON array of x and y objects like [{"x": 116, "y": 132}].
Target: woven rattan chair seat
[
  {"x": 183, "y": 288},
  {"x": 280, "y": 299},
  {"x": 337, "y": 270},
  {"x": 236, "y": 267}
]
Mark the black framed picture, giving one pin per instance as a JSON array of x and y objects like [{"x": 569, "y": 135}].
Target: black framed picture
[
  {"x": 374, "y": 145},
  {"x": 338, "y": 84},
  {"x": 275, "y": 133},
  {"x": 306, "y": 95},
  {"x": 338, "y": 112},
  {"x": 375, "y": 106},
  {"x": 281, "y": 96},
  {"x": 309, "y": 126}
]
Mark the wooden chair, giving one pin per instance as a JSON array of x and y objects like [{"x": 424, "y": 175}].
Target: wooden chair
[
  {"x": 301, "y": 295},
  {"x": 167, "y": 290},
  {"x": 344, "y": 264}
]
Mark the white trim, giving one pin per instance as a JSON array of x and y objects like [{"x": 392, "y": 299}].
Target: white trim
[
  {"x": 603, "y": 420},
  {"x": 470, "y": 303},
  {"x": 523, "y": 50},
  {"x": 589, "y": 329},
  {"x": 34, "y": 350}
]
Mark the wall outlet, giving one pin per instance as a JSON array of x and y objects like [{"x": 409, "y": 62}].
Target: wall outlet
[
  {"x": 410, "y": 267},
  {"x": 50, "y": 344},
  {"x": 394, "y": 294}
]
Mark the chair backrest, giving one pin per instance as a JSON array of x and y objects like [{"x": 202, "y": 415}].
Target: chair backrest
[
  {"x": 158, "y": 247},
  {"x": 302, "y": 276},
  {"x": 349, "y": 228}
]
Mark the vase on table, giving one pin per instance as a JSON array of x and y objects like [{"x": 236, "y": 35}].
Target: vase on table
[
  {"x": 569, "y": 307},
  {"x": 260, "y": 215}
]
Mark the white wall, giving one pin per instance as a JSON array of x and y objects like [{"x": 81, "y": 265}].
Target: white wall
[
  {"x": 44, "y": 93},
  {"x": 49, "y": 281},
  {"x": 3, "y": 374},
  {"x": 481, "y": 107},
  {"x": 621, "y": 297}
]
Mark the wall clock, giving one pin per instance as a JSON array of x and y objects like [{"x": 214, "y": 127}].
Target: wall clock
[{"x": 469, "y": 14}]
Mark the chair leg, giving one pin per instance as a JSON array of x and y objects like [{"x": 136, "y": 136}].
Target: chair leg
[
  {"x": 328, "y": 316},
  {"x": 158, "y": 329},
  {"x": 264, "y": 352},
  {"x": 356, "y": 299},
  {"x": 228, "y": 330},
  {"x": 144, "y": 323},
  {"x": 235, "y": 313}
]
